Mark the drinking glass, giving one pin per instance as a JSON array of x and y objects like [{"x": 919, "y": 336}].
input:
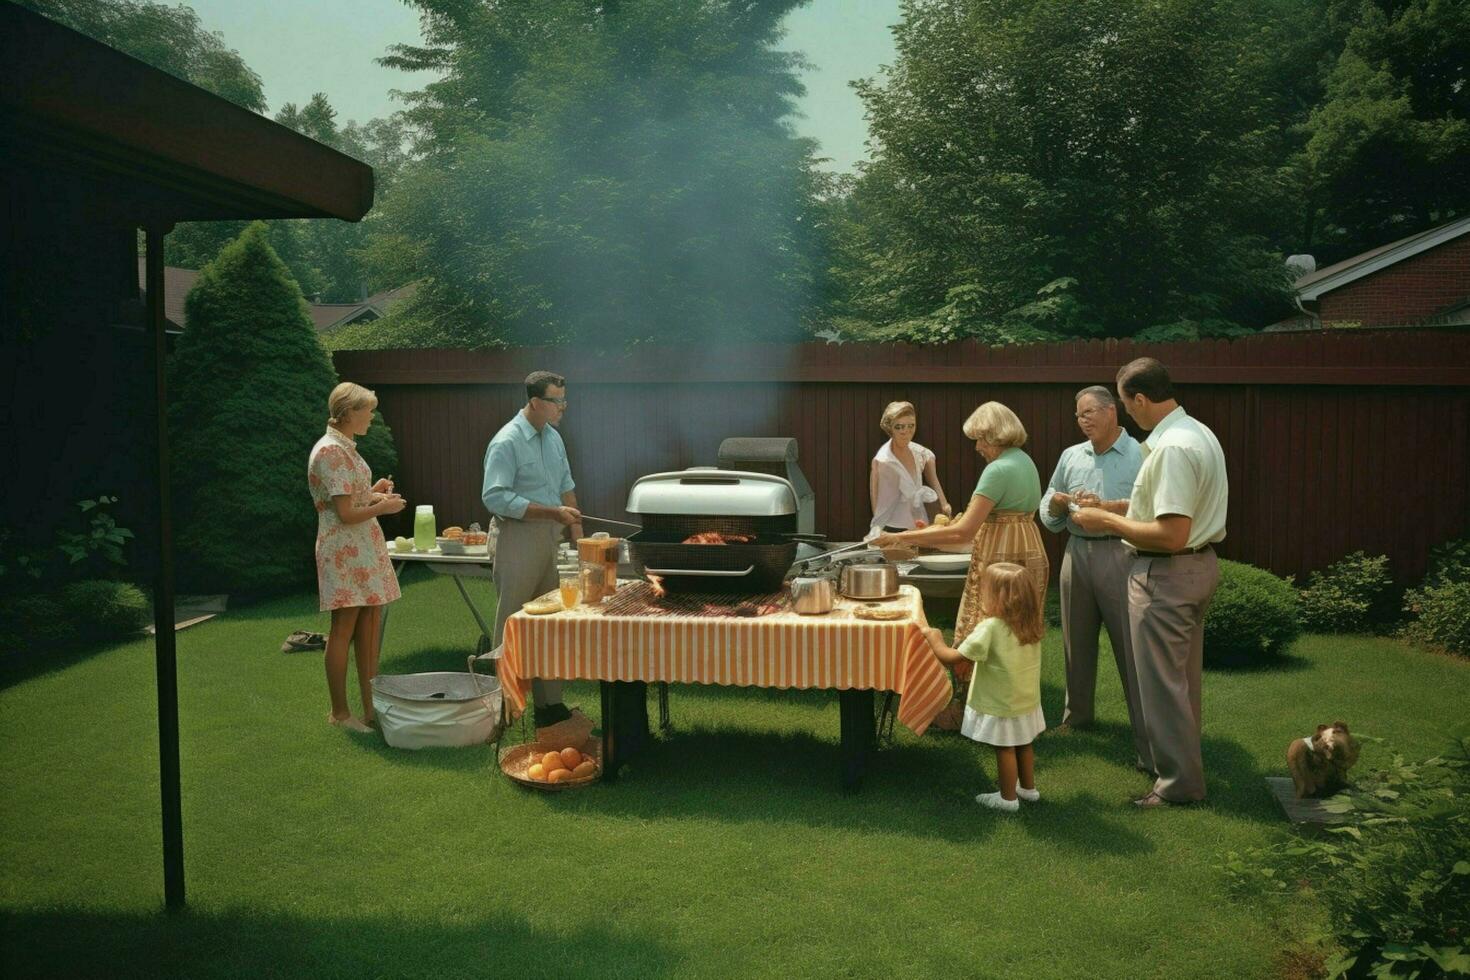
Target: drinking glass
[{"x": 571, "y": 588}]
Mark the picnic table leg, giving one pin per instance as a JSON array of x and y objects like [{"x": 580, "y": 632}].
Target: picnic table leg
[
  {"x": 624, "y": 723},
  {"x": 856, "y": 711}
]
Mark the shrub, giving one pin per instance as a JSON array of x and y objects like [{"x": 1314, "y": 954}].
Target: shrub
[
  {"x": 1393, "y": 879},
  {"x": 1441, "y": 616},
  {"x": 1449, "y": 562},
  {"x": 106, "y": 610},
  {"x": 36, "y": 622},
  {"x": 1253, "y": 615},
  {"x": 249, "y": 383},
  {"x": 1351, "y": 596}
]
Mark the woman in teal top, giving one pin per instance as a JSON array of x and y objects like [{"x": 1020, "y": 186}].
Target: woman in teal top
[{"x": 1001, "y": 518}]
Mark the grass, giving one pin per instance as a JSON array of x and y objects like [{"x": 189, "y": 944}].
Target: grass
[{"x": 727, "y": 851}]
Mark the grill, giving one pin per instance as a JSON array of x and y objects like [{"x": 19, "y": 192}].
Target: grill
[
  {"x": 674, "y": 506},
  {"x": 639, "y": 599}
]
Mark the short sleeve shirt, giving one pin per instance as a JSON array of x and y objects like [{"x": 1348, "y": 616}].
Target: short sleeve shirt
[
  {"x": 1007, "y": 679},
  {"x": 1183, "y": 473},
  {"x": 1011, "y": 482}
]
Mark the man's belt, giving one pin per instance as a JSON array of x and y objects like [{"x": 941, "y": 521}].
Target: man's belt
[
  {"x": 1098, "y": 537},
  {"x": 1171, "y": 554}
]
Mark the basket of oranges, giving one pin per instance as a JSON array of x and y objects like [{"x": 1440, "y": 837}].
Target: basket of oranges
[{"x": 541, "y": 765}]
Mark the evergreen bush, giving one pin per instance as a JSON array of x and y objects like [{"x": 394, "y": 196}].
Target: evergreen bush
[
  {"x": 102, "y": 609},
  {"x": 1252, "y": 615},
  {"x": 249, "y": 386}
]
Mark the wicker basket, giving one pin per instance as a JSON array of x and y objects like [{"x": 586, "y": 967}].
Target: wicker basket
[{"x": 517, "y": 760}]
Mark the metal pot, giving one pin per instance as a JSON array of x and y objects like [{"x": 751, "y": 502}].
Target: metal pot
[
  {"x": 877, "y": 580},
  {"x": 811, "y": 596}
]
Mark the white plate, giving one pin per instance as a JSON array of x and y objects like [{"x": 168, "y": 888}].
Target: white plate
[{"x": 943, "y": 563}]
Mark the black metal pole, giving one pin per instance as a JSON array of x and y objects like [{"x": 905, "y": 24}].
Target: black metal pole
[{"x": 163, "y": 595}]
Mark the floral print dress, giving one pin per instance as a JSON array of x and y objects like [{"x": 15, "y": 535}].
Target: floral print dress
[{"x": 352, "y": 566}]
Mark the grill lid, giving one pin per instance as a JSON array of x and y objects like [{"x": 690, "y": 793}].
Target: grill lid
[{"x": 707, "y": 490}]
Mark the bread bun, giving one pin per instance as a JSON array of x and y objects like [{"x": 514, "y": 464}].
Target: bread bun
[{"x": 542, "y": 606}]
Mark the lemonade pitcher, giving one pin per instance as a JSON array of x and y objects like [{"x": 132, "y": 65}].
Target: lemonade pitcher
[{"x": 424, "y": 528}]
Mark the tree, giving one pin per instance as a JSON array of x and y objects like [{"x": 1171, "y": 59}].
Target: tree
[
  {"x": 249, "y": 385},
  {"x": 1081, "y": 169},
  {"x": 168, "y": 38},
  {"x": 602, "y": 172},
  {"x": 1388, "y": 152}
]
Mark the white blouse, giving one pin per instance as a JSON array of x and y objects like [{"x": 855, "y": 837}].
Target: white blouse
[{"x": 901, "y": 492}]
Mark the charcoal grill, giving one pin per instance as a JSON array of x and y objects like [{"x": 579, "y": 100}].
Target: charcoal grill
[{"x": 674, "y": 506}]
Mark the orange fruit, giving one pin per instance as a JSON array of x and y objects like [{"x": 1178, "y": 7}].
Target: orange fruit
[
  {"x": 586, "y": 768},
  {"x": 559, "y": 776},
  {"x": 537, "y": 772},
  {"x": 570, "y": 757},
  {"x": 552, "y": 761}
]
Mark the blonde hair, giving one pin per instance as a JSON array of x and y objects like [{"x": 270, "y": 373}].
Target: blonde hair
[
  {"x": 1008, "y": 593},
  {"x": 894, "y": 412},
  {"x": 995, "y": 424},
  {"x": 348, "y": 397}
]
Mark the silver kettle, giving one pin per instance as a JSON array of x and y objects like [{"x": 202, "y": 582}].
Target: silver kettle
[{"x": 812, "y": 596}]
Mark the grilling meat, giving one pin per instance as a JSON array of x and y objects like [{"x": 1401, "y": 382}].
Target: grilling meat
[{"x": 715, "y": 537}]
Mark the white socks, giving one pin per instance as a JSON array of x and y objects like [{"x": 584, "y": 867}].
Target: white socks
[{"x": 997, "y": 802}]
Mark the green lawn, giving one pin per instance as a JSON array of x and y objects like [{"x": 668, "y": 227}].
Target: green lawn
[{"x": 727, "y": 851}]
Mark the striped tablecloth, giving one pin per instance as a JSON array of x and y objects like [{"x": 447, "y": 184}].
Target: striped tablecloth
[{"x": 784, "y": 649}]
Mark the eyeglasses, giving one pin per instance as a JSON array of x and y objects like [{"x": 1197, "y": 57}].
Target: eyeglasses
[
  {"x": 1088, "y": 415},
  {"x": 562, "y": 402},
  {"x": 904, "y": 426}
]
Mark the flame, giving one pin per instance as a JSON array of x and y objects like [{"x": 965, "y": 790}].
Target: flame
[{"x": 657, "y": 582}]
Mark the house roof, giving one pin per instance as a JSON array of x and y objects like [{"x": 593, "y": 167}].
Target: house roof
[
  {"x": 146, "y": 147},
  {"x": 330, "y": 316},
  {"x": 1313, "y": 285},
  {"x": 176, "y": 285}
]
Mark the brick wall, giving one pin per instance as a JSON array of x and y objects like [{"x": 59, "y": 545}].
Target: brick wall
[{"x": 1404, "y": 293}]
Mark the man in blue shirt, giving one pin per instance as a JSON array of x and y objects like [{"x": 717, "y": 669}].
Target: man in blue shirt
[
  {"x": 528, "y": 487},
  {"x": 1094, "y": 578}
]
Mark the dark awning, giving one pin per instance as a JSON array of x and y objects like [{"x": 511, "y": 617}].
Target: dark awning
[{"x": 152, "y": 146}]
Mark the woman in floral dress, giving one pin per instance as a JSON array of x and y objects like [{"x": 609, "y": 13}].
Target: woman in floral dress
[{"x": 353, "y": 573}]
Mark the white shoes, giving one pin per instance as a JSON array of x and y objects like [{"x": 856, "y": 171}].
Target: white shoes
[{"x": 997, "y": 802}]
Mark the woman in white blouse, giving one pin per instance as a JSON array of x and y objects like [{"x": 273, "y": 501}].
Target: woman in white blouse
[{"x": 901, "y": 468}]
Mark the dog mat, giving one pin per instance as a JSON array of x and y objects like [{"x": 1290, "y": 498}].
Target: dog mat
[{"x": 1301, "y": 811}]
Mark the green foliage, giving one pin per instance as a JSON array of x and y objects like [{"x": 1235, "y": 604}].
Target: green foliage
[
  {"x": 1441, "y": 616},
  {"x": 170, "y": 38},
  {"x": 1394, "y": 878},
  {"x": 605, "y": 173},
  {"x": 377, "y": 449},
  {"x": 102, "y": 609},
  {"x": 95, "y": 549},
  {"x": 1388, "y": 148},
  {"x": 1449, "y": 562},
  {"x": 250, "y": 384},
  {"x": 35, "y": 623},
  {"x": 102, "y": 541},
  {"x": 1252, "y": 615},
  {"x": 1128, "y": 151},
  {"x": 1352, "y": 596}
]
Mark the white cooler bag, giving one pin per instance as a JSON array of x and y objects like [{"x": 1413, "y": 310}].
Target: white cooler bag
[{"x": 437, "y": 710}]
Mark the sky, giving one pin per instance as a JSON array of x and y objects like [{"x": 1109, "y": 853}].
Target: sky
[{"x": 300, "y": 47}]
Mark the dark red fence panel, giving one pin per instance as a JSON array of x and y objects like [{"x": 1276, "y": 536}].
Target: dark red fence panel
[{"x": 1334, "y": 442}]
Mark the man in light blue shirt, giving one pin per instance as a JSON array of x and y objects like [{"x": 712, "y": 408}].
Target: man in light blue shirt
[
  {"x": 1094, "y": 577},
  {"x": 528, "y": 487}
]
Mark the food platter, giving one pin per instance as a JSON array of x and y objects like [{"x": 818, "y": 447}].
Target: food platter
[{"x": 943, "y": 562}]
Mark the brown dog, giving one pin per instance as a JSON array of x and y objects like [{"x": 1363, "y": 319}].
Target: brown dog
[{"x": 1319, "y": 764}]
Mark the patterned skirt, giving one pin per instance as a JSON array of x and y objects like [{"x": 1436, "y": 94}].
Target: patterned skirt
[{"x": 1006, "y": 536}]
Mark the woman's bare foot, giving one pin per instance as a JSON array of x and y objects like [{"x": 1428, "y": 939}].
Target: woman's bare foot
[{"x": 350, "y": 723}]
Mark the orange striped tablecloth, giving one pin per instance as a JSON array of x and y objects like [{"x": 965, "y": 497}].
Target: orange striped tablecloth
[{"x": 780, "y": 650}]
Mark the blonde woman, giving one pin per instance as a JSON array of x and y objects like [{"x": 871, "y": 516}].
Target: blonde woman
[
  {"x": 900, "y": 470},
  {"x": 354, "y": 575},
  {"x": 1001, "y": 517}
]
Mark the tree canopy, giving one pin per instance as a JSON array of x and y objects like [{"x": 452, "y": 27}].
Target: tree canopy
[{"x": 605, "y": 172}]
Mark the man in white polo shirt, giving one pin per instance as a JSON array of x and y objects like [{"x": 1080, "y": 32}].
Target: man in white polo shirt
[{"x": 1175, "y": 515}]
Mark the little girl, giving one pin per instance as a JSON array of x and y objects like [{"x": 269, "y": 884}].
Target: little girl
[{"x": 1003, "y": 708}]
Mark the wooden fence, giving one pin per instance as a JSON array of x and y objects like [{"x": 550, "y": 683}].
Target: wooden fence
[{"x": 1334, "y": 441}]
